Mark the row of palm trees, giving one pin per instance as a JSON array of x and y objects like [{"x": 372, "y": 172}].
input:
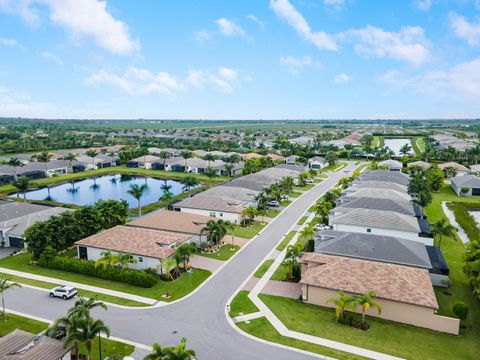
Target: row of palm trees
[{"x": 345, "y": 301}]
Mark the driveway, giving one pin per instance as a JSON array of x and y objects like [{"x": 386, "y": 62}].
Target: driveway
[
  {"x": 201, "y": 317},
  {"x": 7, "y": 251}
]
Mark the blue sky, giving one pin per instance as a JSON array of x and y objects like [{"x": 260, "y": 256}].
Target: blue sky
[{"x": 240, "y": 59}]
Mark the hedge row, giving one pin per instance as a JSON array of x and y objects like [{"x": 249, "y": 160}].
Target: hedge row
[{"x": 133, "y": 277}]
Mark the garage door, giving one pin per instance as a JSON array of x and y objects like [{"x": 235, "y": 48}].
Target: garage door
[
  {"x": 16, "y": 242},
  {"x": 476, "y": 191}
]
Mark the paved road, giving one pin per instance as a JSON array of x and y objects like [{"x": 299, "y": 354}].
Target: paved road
[{"x": 201, "y": 317}]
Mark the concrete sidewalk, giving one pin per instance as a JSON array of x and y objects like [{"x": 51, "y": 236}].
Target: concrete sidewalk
[{"x": 99, "y": 290}]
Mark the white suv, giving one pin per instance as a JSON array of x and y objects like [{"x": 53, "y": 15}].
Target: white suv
[{"x": 65, "y": 292}]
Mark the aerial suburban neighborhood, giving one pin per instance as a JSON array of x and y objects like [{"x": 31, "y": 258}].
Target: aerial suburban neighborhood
[{"x": 277, "y": 179}]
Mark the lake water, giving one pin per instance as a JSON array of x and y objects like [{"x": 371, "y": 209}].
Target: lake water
[
  {"x": 396, "y": 144},
  {"x": 108, "y": 187}
]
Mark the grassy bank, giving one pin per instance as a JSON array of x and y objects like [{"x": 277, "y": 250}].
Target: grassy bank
[
  {"x": 263, "y": 268},
  {"x": 286, "y": 240},
  {"x": 241, "y": 304},
  {"x": 19, "y": 322},
  {"x": 461, "y": 210}
]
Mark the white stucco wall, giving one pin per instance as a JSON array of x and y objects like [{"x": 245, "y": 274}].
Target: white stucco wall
[{"x": 233, "y": 217}]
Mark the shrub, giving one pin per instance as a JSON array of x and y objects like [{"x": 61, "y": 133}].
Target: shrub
[
  {"x": 133, "y": 277},
  {"x": 461, "y": 310},
  {"x": 310, "y": 246}
]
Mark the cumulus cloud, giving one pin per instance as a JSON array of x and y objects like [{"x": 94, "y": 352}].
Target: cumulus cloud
[
  {"x": 461, "y": 81},
  {"x": 202, "y": 36},
  {"x": 82, "y": 18},
  {"x": 259, "y": 22},
  {"x": 287, "y": 12},
  {"x": 465, "y": 30},
  {"x": 342, "y": 78},
  {"x": 138, "y": 81},
  {"x": 52, "y": 57},
  {"x": 295, "y": 65},
  {"x": 229, "y": 27},
  {"x": 409, "y": 44},
  {"x": 423, "y": 5}
]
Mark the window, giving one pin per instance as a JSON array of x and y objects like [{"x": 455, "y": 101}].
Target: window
[
  {"x": 369, "y": 230},
  {"x": 213, "y": 214},
  {"x": 140, "y": 259},
  {"x": 221, "y": 214}
]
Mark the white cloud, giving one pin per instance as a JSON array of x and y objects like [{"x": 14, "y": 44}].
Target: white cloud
[
  {"x": 423, "y": 5},
  {"x": 202, "y": 36},
  {"x": 8, "y": 42},
  {"x": 259, "y": 22},
  {"x": 461, "y": 81},
  {"x": 83, "y": 18},
  {"x": 468, "y": 31},
  {"x": 409, "y": 44},
  {"x": 138, "y": 81},
  {"x": 229, "y": 27},
  {"x": 294, "y": 64},
  {"x": 287, "y": 12},
  {"x": 335, "y": 4},
  {"x": 14, "y": 103},
  {"x": 52, "y": 57},
  {"x": 342, "y": 78}
]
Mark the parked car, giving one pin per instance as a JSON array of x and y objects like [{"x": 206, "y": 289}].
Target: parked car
[
  {"x": 273, "y": 203},
  {"x": 317, "y": 227},
  {"x": 309, "y": 181},
  {"x": 65, "y": 292}
]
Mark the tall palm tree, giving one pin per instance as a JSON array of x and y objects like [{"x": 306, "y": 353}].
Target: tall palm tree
[
  {"x": 44, "y": 157},
  {"x": 107, "y": 259},
  {"x": 180, "y": 352},
  {"x": 291, "y": 259},
  {"x": 442, "y": 228},
  {"x": 137, "y": 192},
  {"x": 209, "y": 158},
  {"x": 215, "y": 230},
  {"x": 307, "y": 233},
  {"x": 167, "y": 264},
  {"x": 422, "y": 200},
  {"x": 229, "y": 169},
  {"x": 186, "y": 154},
  {"x": 92, "y": 154},
  {"x": 83, "y": 306},
  {"x": 4, "y": 286},
  {"x": 164, "y": 155},
  {"x": 158, "y": 353},
  {"x": 210, "y": 173},
  {"x": 70, "y": 157},
  {"x": 85, "y": 330},
  {"x": 22, "y": 184},
  {"x": 342, "y": 302},
  {"x": 15, "y": 163},
  {"x": 166, "y": 196},
  {"x": 250, "y": 212},
  {"x": 188, "y": 182},
  {"x": 366, "y": 302}
]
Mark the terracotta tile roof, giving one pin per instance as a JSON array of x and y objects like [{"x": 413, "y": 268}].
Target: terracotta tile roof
[
  {"x": 456, "y": 166},
  {"x": 134, "y": 240},
  {"x": 389, "y": 281},
  {"x": 175, "y": 221}
]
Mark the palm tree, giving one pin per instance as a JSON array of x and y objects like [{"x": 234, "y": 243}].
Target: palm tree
[
  {"x": 179, "y": 352},
  {"x": 423, "y": 199},
  {"x": 164, "y": 155},
  {"x": 250, "y": 212},
  {"x": 405, "y": 149},
  {"x": 366, "y": 302},
  {"x": 165, "y": 186},
  {"x": 84, "y": 330},
  {"x": 210, "y": 173},
  {"x": 342, "y": 302},
  {"x": 93, "y": 155},
  {"x": 4, "y": 286},
  {"x": 215, "y": 230},
  {"x": 158, "y": 353},
  {"x": 229, "y": 169},
  {"x": 442, "y": 228},
  {"x": 124, "y": 259},
  {"x": 186, "y": 154},
  {"x": 185, "y": 251},
  {"x": 209, "y": 158},
  {"x": 291, "y": 259},
  {"x": 22, "y": 184},
  {"x": 307, "y": 233},
  {"x": 107, "y": 259},
  {"x": 137, "y": 192},
  {"x": 83, "y": 306},
  {"x": 44, "y": 157},
  {"x": 15, "y": 163},
  {"x": 188, "y": 182},
  {"x": 71, "y": 158},
  {"x": 166, "y": 196},
  {"x": 167, "y": 264}
]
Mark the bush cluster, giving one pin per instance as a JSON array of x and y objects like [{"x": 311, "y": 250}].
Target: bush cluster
[{"x": 129, "y": 276}]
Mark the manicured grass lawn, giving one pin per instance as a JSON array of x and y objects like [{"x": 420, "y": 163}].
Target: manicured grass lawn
[
  {"x": 271, "y": 213},
  {"x": 263, "y": 268},
  {"x": 22, "y": 323},
  {"x": 392, "y": 338},
  {"x": 249, "y": 231},
  {"x": 460, "y": 290},
  {"x": 286, "y": 240},
  {"x": 178, "y": 288},
  {"x": 81, "y": 292},
  {"x": 378, "y": 141},
  {"x": 113, "y": 170},
  {"x": 418, "y": 145},
  {"x": 242, "y": 304},
  {"x": 304, "y": 188},
  {"x": 280, "y": 274},
  {"x": 285, "y": 202},
  {"x": 338, "y": 166},
  {"x": 262, "y": 329},
  {"x": 295, "y": 194},
  {"x": 302, "y": 220},
  {"x": 109, "y": 348},
  {"x": 224, "y": 253}
]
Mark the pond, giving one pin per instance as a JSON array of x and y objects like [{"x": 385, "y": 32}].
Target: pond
[
  {"x": 109, "y": 187},
  {"x": 396, "y": 144}
]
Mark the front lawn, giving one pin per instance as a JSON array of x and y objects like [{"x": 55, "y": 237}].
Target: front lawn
[
  {"x": 295, "y": 194},
  {"x": 304, "y": 188},
  {"x": 224, "y": 253},
  {"x": 263, "y": 268},
  {"x": 81, "y": 292},
  {"x": 286, "y": 240},
  {"x": 110, "y": 348},
  {"x": 178, "y": 288},
  {"x": 262, "y": 329},
  {"x": 271, "y": 213},
  {"x": 281, "y": 274},
  {"x": 241, "y": 304},
  {"x": 249, "y": 231},
  {"x": 392, "y": 338},
  {"x": 19, "y": 322}
]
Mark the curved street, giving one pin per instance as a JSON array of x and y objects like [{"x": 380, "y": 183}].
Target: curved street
[{"x": 201, "y": 317}]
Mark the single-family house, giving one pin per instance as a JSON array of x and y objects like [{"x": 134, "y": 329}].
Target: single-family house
[
  {"x": 392, "y": 165},
  {"x": 404, "y": 293},
  {"x": 386, "y": 175},
  {"x": 316, "y": 162},
  {"x": 466, "y": 185},
  {"x": 419, "y": 164},
  {"x": 291, "y": 160},
  {"x": 459, "y": 168},
  {"x": 213, "y": 206},
  {"x": 145, "y": 161}
]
